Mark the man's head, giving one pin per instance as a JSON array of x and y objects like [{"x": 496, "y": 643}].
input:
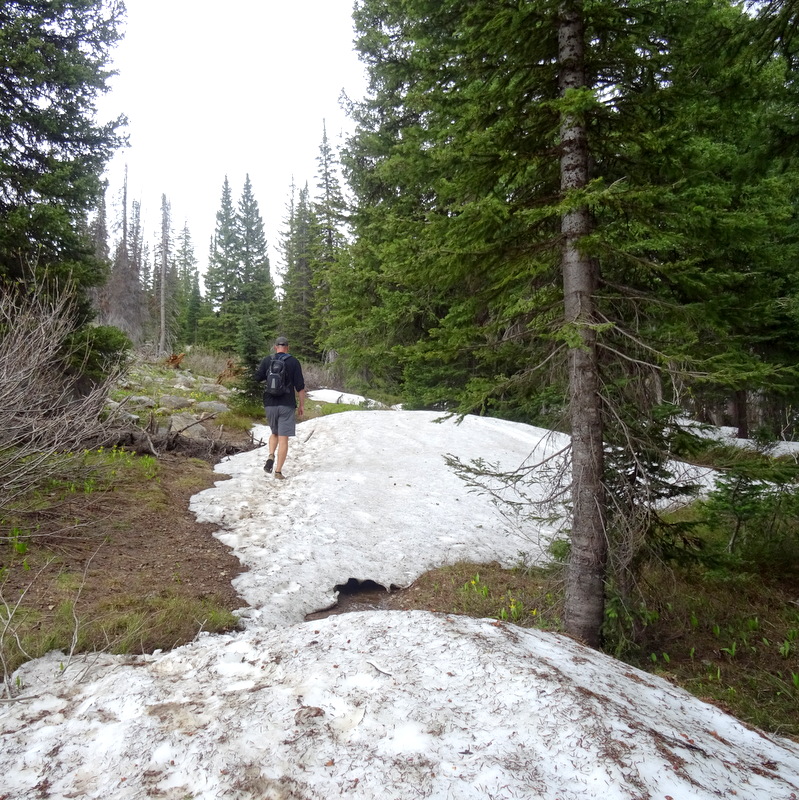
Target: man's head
[{"x": 281, "y": 344}]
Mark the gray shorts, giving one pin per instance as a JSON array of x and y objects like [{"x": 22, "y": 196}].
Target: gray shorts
[{"x": 281, "y": 420}]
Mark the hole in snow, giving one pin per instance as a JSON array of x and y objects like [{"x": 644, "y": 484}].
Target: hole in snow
[
  {"x": 355, "y": 595},
  {"x": 355, "y": 587}
]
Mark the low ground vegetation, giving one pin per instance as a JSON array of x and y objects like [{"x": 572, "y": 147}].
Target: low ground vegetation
[{"x": 114, "y": 563}]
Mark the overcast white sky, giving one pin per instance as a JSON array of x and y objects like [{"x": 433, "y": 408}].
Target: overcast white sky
[{"x": 214, "y": 89}]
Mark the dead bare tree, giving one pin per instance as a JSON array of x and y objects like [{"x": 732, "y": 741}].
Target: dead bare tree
[{"x": 45, "y": 422}]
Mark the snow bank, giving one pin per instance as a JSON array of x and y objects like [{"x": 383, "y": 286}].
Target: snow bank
[{"x": 381, "y": 704}]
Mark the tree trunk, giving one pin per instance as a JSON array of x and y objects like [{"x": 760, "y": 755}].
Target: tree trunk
[
  {"x": 165, "y": 221},
  {"x": 740, "y": 410},
  {"x": 585, "y": 576}
]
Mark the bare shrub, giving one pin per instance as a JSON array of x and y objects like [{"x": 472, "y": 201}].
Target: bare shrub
[
  {"x": 204, "y": 361},
  {"x": 45, "y": 422},
  {"x": 320, "y": 376}
]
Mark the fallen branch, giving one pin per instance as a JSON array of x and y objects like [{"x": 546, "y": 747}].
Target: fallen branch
[{"x": 141, "y": 442}]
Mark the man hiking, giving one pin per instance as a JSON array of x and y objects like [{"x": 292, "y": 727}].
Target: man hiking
[{"x": 283, "y": 376}]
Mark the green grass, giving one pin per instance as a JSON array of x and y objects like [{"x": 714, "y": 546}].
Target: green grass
[
  {"x": 527, "y": 597},
  {"x": 724, "y": 635},
  {"x": 337, "y": 408},
  {"x": 240, "y": 419},
  {"x": 125, "y": 624},
  {"x": 51, "y": 594}
]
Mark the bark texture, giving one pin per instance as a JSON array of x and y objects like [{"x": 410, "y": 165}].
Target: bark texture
[{"x": 585, "y": 579}]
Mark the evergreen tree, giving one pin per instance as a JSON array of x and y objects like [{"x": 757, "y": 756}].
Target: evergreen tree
[
  {"x": 185, "y": 260},
  {"x": 52, "y": 154},
  {"x": 98, "y": 232},
  {"x": 287, "y": 234},
  {"x": 251, "y": 238},
  {"x": 251, "y": 344},
  {"x": 165, "y": 284},
  {"x": 256, "y": 292},
  {"x": 98, "y": 229},
  {"x": 222, "y": 279},
  {"x": 584, "y": 602},
  {"x": 300, "y": 245},
  {"x": 330, "y": 211},
  {"x": 329, "y": 205},
  {"x": 779, "y": 18},
  {"x": 554, "y": 212},
  {"x": 195, "y": 311},
  {"x": 455, "y": 257},
  {"x": 189, "y": 302},
  {"x": 148, "y": 268},
  {"x": 238, "y": 279},
  {"x": 136, "y": 248}
]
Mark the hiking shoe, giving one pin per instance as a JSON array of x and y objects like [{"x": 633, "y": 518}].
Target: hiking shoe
[
  {"x": 270, "y": 462},
  {"x": 280, "y": 476}
]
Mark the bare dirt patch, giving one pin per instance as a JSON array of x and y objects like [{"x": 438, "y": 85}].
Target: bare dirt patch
[{"x": 125, "y": 568}]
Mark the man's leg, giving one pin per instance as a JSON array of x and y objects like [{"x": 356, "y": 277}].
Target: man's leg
[
  {"x": 282, "y": 451},
  {"x": 282, "y": 423},
  {"x": 272, "y": 421}
]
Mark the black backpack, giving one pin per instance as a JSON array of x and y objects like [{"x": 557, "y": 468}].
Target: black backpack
[{"x": 278, "y": 381}]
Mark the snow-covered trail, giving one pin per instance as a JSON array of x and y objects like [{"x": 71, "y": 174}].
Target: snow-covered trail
[
  {"x": 383, "y": 704},
  {"x": 368, "y": 495},
  {"x": 390, "y": 705}
]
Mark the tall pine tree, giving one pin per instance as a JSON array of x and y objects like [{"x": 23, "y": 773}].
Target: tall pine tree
[
  {"x": 222, "y": 278},
  {"x": 555, "y": 215},
  {"x": 190, "y": 306},
  {"x": 298, "y": 306},
  {"x": 330, "y": 255},
  {"x": 238, "y": 280},
  {"x": 165, "y": 282},
  {"x": 256, "y": 293},
  {"x": 55, "y": 60}
]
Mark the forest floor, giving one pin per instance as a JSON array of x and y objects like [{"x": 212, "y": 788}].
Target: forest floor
[{"x": 126, "y": 568}]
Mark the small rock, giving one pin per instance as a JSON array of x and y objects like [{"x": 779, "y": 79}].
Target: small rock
[
  {"x": 141, "y": 400},
  {"x": 214, "y": 388},
  {"x": 184, "y": 424},
  {"x": 174, "y": 402},
  {"x": 211, "y": 406}
]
